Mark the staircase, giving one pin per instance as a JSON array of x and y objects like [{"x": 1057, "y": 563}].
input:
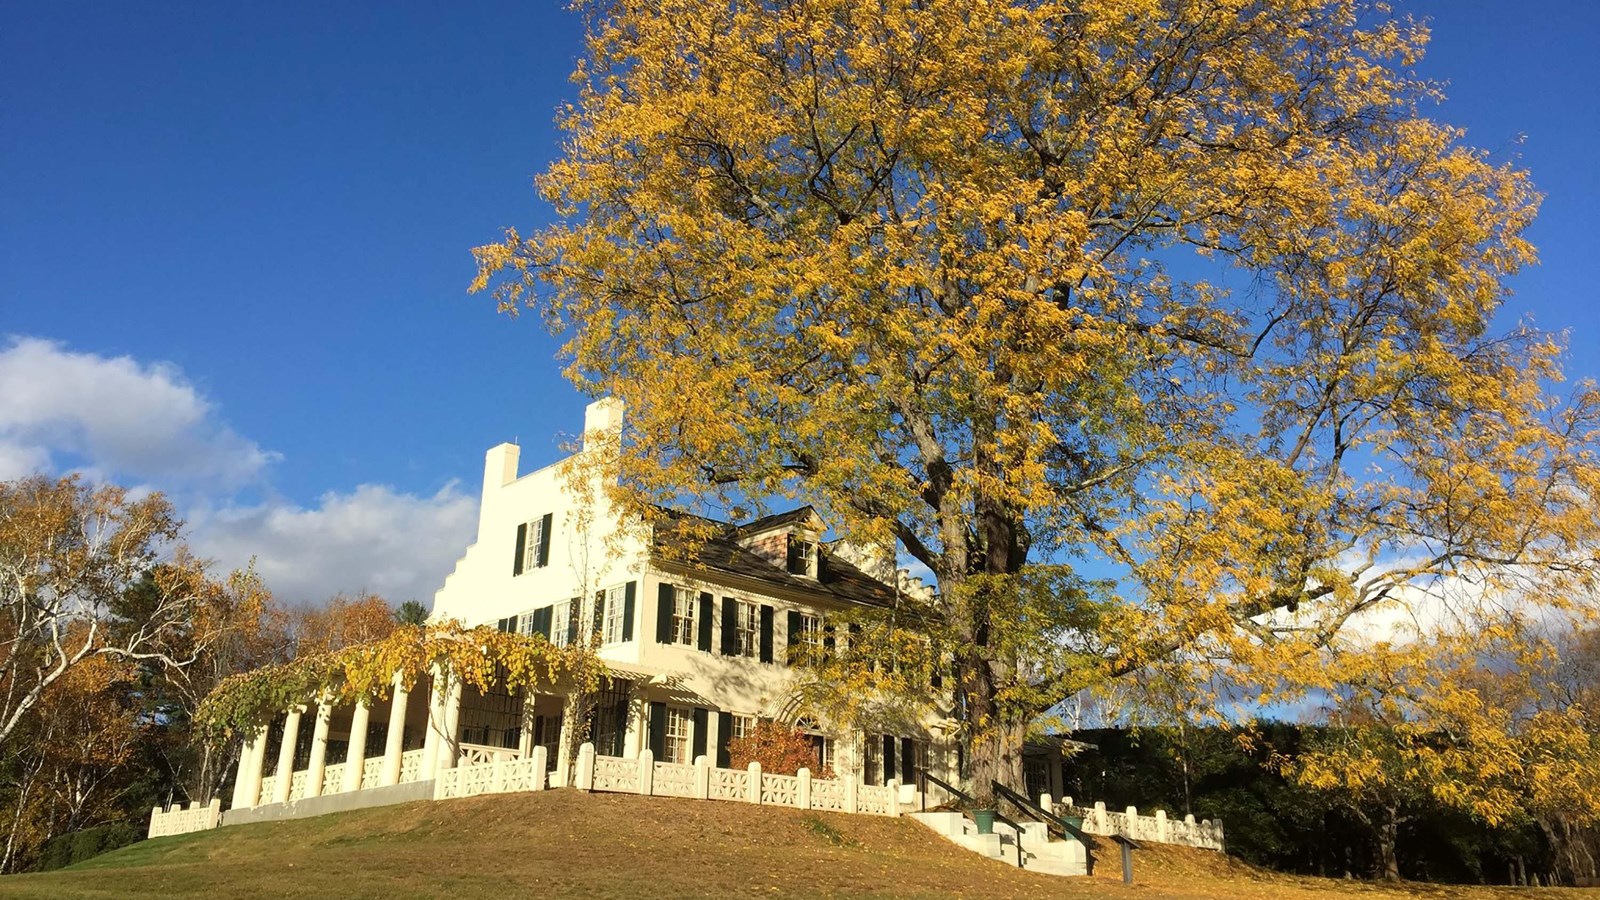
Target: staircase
[{"x": 1038, "y": 853}]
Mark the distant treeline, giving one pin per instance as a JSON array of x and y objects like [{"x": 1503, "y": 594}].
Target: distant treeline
[{"x": 1271, "y": 821}]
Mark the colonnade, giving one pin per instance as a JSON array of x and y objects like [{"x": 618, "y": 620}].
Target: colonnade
[{"x": 440, "y": 749}]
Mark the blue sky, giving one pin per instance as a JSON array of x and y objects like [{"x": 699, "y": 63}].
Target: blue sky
[{"x": 234, "y": 251}]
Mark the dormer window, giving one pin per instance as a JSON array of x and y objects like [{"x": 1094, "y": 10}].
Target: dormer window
[{"x": 802, "y": 556}]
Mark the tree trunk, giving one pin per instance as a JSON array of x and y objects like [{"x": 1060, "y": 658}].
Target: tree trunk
[{"x": 1388, "y": 837}]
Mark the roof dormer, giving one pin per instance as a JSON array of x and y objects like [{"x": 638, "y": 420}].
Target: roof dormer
[{"x": 789, "y": 541}]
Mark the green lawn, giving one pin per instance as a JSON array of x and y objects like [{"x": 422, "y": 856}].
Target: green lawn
[{"x": 564, "y": 843}]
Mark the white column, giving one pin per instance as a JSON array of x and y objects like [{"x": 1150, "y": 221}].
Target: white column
[
  {"x": 319, "y": 751},
  {"x": 356, "y": 757},
  {"x": 247, "y": 784},
  {"x": 633, "y": 736},
  {"x": 395, "y": 744},
  {"x": 450, "y": 746},
  {"x": 285, "y": 773},
  {"x": 433, "y": 731},
  {"x": 525, "y": 741}
]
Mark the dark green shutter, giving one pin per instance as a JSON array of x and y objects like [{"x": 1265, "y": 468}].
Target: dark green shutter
[
  {"x": 792, "y": 646},
  {"x": 793, "y": 565},
  {"x": 600, "y": 613},
  {"x": 705, "y": 623},
  {"x": 908, "y": 760},
  {"x": 544, "y": 539},
  {"x": 522, "y": 538},
  {"x": 664, "y": 609},
  {"x": 658, "y": 729},
  {"x": 541, "y": 621},
  {"x": 724, "y": 735},
  {"x": 627, "y": 611},
  {"x": 888, "y": 758},
  {"x": 766, "y": 634},
  {"x": 574, "y": 612},
  {"x": 699, "y": 741},
  {"x": 730, "y": 626}
]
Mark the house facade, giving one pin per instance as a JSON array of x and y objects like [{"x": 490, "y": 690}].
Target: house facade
[{"x": 698, "y": 636}]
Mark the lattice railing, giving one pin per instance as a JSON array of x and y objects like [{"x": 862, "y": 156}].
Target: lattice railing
[
  {"x": 615, "y": 774},
  {"x": 1206, "y": 834},
  {"x": 729, "y": 784},
  {"x": 372, "y": 772},
  {"x": 827, "y": 795},
  {"x": 297, "y": 785},
  {"x": 333, "y": 779},
  {"x": 478, "y": 754},
  {"x": 177, "y": 820},
  {"x": 673, "y": 780},
  {"x": 780, "y": 790},
  {"x": 268, "y": 782},
  {"x": 875, "y": 800},
  {"x": 410, "y": 766}
]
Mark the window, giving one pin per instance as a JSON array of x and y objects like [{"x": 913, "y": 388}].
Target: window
[
  {"x": 683, "y": 617},
  {"x": 559, "y": 631},
  {"x": 680, "y": 725},
  {"x": 525, "y": 623},
  {"x": 533, "y": 544},
  {"x": 615, "y": 606},
  {"x": 747, "y": 629},
  {"x": 805, "y": 643},
  {"x": 802, "y": 557},
  {"x": 743, "y": 726}
]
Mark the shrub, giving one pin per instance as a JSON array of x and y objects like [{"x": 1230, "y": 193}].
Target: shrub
[{"x": 779, "y": 749}]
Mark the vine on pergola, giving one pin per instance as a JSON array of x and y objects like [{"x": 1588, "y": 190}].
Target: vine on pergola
[{"x": 478, "y": 656}]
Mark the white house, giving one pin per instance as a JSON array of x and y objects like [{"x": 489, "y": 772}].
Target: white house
[{"x": 697, "y": 636}]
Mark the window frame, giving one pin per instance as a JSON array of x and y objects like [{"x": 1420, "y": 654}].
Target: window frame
[
  {"x": 684, "y": 602},
  {"x": 677, "y": 734},
  {"x": 560, "y": 615},
  {"x": 530, "y": 544},
  {"x": 611, "y": 623},
  {"x": 747, "y": 628}
]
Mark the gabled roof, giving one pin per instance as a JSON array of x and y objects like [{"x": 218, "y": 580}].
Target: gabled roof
[
  {"x": 805, "y": 515},
  {"x": 676, "y": 535}
]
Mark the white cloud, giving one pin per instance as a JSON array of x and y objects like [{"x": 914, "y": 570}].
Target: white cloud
[
  {"x": 397, "y": 545},
  {"x": 115, "y": 417},
  {"x": 146, "y": 425}
]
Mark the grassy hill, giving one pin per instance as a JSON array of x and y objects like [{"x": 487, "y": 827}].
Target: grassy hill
[{"x": 563, "y": 843}]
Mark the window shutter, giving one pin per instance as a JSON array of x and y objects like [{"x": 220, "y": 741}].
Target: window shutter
[
  {"x": 544, "y": 539},
  {"x": 827, "y": 639},
  {"x": 766, "y": 634},
  {"x": 600, "y": 613},
  {"x": 794, "y": 560},
  {"x": 627, "y": 611},
  {"x": 699, "y": 741},
  {"x": 658, "y": 729},
  {"x": 908, "y": 760},
  {"x": 888, "y": 758},
  {"x": 937, "y": 678},
  {"x": 522, "y": 539},
  {"x": 574, "y": 612},
  {"x": 730, "y": 626},
  {"x": 724, "y": 735},
  {"x": 664, "y": 608},
  {"x": 792, "y": 645},
  {"x": 704, "y": 625},
  {"x": 541, "y": 620}
]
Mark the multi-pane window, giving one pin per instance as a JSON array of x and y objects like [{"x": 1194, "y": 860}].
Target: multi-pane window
[
  {"x": 680, "y": 726},
  {"x": 559, "y": 619},
  {"x": 616, "y": 601},
  {"x": 683, "y": 617},
  {"x": 807, "y": 644},
  {"x": 743, "y": 726},
  {"x": 530, "y": 546},
  {"x": 525, "y": 623},
  {"x": 747, "y": 625},
  {"x": 802, "y": 557}
]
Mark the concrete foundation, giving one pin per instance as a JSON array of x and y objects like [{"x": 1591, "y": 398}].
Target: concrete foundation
[{"x": 316, "y": 806}]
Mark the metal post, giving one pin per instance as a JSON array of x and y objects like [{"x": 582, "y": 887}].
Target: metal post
[{"x": 1127, "y": 863}]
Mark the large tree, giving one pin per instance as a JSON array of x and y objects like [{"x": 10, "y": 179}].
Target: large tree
[{"x": 1185, "y": 295}]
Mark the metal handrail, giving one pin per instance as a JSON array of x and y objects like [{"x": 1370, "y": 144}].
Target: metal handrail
[
  {"x": 1049, "y": 818},
  {"x": 925, "y": 777}
]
